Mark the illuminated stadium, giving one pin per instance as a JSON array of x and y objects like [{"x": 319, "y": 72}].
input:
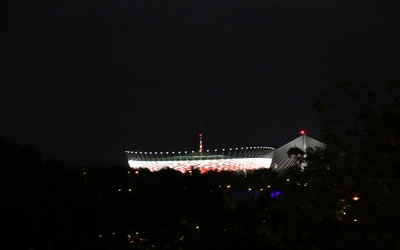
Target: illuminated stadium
[{"x": 230, "y": 159}]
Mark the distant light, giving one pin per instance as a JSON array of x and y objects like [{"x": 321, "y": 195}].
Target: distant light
[
  {"x": 356, "y": 198},
  {"x": 197, "y": 227},
  {"x": 302, "y": 132},
  {"x": 274, "y": 193}
]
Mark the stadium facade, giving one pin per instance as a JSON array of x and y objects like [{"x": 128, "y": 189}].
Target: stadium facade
[{"x": 240, "y": 159}]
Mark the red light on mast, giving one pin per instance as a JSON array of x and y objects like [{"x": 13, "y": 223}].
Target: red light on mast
[
  {"x": 201, "y": 143},
  {"x": 302, "y": 132}
]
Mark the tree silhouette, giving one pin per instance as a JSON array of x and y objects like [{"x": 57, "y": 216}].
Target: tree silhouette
[{"x": 347, "y": 196}]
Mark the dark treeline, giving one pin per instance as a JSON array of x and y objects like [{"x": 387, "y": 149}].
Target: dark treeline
[{"x": 48, "y": 205}]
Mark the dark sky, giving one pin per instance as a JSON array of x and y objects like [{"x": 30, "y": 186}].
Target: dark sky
[{"x": 86, "y": 80}]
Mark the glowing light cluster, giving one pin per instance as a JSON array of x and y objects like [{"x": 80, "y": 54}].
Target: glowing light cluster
[
  {"x": 233, "y": 159},
  {"x": 186, "y": 152},
  {"x": 205, "y": 165}
]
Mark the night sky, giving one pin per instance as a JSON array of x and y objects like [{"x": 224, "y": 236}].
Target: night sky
[{"x": 86, "y": 80}]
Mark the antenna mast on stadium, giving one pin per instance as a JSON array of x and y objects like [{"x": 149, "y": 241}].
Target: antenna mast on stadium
[{"x": 201, "y": 143}]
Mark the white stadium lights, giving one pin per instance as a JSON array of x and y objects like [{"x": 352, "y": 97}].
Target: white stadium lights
[
  {"x": 237, "y": 159},
  {"x": 247, "y": 160}
]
